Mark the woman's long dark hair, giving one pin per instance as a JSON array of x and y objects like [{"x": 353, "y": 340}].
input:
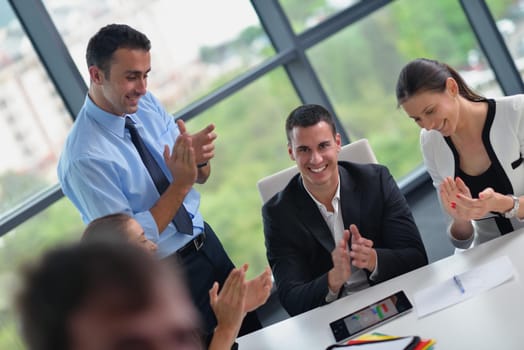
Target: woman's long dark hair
[{"x": 424, "y": 74}]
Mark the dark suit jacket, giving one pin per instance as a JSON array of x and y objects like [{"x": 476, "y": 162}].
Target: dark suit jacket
[{"x": 299, "y": 242}]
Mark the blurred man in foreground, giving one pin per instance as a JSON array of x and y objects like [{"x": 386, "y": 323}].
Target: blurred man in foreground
[{"x": 110, "y": 296}]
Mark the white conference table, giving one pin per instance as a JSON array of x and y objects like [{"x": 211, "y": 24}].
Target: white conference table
[{"x": 494, "y": 319}]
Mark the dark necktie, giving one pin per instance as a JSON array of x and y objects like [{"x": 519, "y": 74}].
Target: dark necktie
[{"x": 181, "y": 220}]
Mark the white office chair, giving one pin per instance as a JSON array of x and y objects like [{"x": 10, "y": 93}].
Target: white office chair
[{"x": 358, "y": 152}]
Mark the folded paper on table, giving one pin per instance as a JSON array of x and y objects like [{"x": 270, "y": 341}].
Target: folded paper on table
[{"x": 474, "y": 281}]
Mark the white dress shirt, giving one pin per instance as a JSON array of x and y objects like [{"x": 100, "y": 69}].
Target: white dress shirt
[{"x": 358, "y": 279}]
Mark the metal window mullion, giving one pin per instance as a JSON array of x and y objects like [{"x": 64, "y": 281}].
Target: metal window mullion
[
  {"x": 299, "y": 70},
  {"x": 493, "y": 46},
  {"x": 339, "y": 21},
  {"x": 67, "y": 80},
  {"x": 52, "y": 52},
  {"x": 235, "y": 85},
  {"x": 29, "y": 208}
]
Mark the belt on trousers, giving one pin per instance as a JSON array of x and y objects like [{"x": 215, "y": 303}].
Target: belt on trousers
[{"x": 192, "y": 246}]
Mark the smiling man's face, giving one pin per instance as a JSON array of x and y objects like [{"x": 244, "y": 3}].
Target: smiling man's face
[{"x": 315, "y": 150}]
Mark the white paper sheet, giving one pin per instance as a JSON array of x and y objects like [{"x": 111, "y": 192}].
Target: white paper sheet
[{"x": 474, "y": 281}]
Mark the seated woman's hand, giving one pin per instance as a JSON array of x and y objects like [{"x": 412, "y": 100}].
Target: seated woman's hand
[{"x": 456, "y": 198}]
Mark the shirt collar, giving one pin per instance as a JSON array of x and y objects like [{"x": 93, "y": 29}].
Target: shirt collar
[
  {"x": 111, "y": 122},
  {"x": 334, "y": 201}
]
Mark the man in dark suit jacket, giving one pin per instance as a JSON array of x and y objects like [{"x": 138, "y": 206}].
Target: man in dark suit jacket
[{"x": 337, "y": 227}]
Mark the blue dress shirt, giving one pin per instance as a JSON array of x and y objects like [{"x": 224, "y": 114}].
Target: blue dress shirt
[{"x": 101, "y": 172}]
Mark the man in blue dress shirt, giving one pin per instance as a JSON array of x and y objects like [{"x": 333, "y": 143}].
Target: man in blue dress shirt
[{"x": 101, "y": 171}]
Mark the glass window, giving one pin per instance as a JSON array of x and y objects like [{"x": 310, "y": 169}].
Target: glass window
[
  {"x": 196, "y": 45},
  {"x": 251, "y": 144},
  {"x": 33, "y": 117},
  {"x": 359, "y": 67},
  {"x": 306, "y": 14},
  {"x": 58, "y": 223},
  {"x": 509, "y": 17}
]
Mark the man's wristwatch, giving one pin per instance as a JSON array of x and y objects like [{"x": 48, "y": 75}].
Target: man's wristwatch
[{"x": 513, "y": 211}]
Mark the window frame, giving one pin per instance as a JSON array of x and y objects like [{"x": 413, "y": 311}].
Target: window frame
[{"x": 290, "y": 54}]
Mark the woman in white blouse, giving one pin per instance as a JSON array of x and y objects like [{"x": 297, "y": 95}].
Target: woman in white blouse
[{"x": 472, "y": 148}]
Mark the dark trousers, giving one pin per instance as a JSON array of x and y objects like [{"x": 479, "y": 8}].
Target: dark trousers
[{"x": 201, "y": 269}]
